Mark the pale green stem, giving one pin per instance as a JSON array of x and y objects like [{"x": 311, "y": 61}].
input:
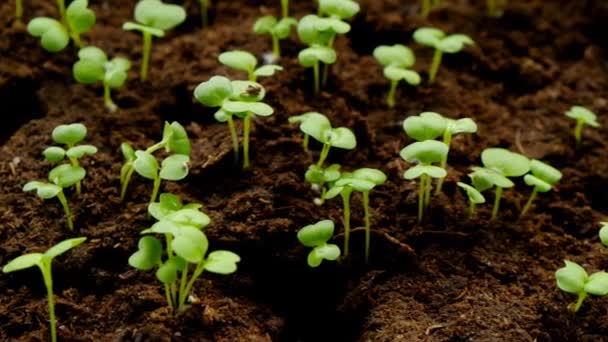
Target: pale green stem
[
  {"x": 326, "y": 67},
  {"x": 146, "y": 55},
  {"x": 276, "y": 48},
  {"x": 578, "y": 131},
  {"x": 285, "y": 8},
  {"x": 18, "y": 9},
  {"x": 66, "y": 209},
  {"x": 251, "y": 75},
  {"x": 305, "y": 142},
  {"x": 204, "y": 15},
  {"x": 235, "y": 139},
  {"x": 447, "y": 139},
  {"x": 491, "y": 4},
  {"x": 529, "y": 202},
  {"x": 324, "y": 154},
  {"x": 426, "y": 8},
  {"x": 421, "y": 197},
  {"x": 368, "y": 228},
  {"x": 346, "y": 203},
  {"x": 197, "y": 272},
  {"x": 125, "y": 183},
  {"x": 436, "y": 2},
  {"x": 110, "y": 105},
  {"x": 155, "y": 189},
  {"x": 174, "y": 298},
  {"x": 61, "y": 6},
  {"x": 48, "y": 283},
  {"x": 471, "y": 210},
  {"x": 390, "y": 99},
  {"x": 437, "y": 55},
  {"x": 316, "y": 76},
  {"x": 76, "y": 39},
  {"x": 579, "y": 301},
  {"x": 74, "y": 162},
  {"x": 182, "y": 285},
  {"x": 246, "y": 134},
  {"x": 497, "y": 196},
  {"x": 427, "y": 191}
]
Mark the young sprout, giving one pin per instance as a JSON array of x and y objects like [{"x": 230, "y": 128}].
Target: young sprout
[
  {"x": 245, "y": 61},
  {"x": 153, "y": 18},
  {"x": 438, "y": 40},
  {"x": 475, "y": 197},
  {"x": 572, "y": 278},
  {"x": 316, "y": 236},
  {"x": 310, "y": 122},
  {"x": 465, "y": 125},
  {"x": 604, "y": 233},
  {"x": 319, "y": 177},
  {"x": 44, "y": 262},
  {"x": 278, "y": 29},
  {"x": 204, "y": 13},
  {"x": 285, "y": 8},
  {"x": 240, "y": 98},
  {"x": 174, "y": 167},
  {"x": 426, "y": 126},
  {"x": 69, "y": 136},
  {"x": 543, "y": 176},
  {"x": 93, "y": 66},
  {"x": 396, "y": 60},
  {"x": 499, "y": 164},
  {"x": 583, "y": 116},
  {"x": 363, "y": 181},
  {"x": 424, "y": 153},
  {"x": 168, "y": 204}
]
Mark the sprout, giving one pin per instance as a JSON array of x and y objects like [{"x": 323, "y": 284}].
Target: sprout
[
  {"x": 174, "y": 167},
  {"x": 465, "y": 125},
  {"x": 396, "y": 60},
  {"x": 604, "y": 233},
  {"x": 363, "y": 181},
  {"x": 185, "y": 250},
  {"x": 310, "y": 122},
  {"x": 153, "y": 18},
  {"x": 316, "y": 236},
  {"x": 583, "y": 116},
  {"x": 204, "y": 14},
  {"x": 285, "y": 8},
  {"x": 245, "y": 61},
  {"x": 499, "y": 164},
  {"x": 425, "y": 153},
  {"x": 69, "y": 136},
  {"x": 475, "y": 197},
  {"x": 277, "y": 29},
  {"x": 169, "y": 204},
  {"x": 438, "y": 40},
  {"x": 44, "y": 262},
  {"x": 319, "y": 177},
  {"x": 543, "y": 177},
  {"x": 426, "y": 126},
  {"x": 93, "y": 66},
  {"x": 572, "y": 278},
  {"x": 240, "y": 98}
]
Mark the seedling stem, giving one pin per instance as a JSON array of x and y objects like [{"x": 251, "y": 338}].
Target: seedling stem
[
  {"x": 346, "y": 202},
  {"x": 204, "y": 16},
  {"x": 107, "y": 99},
  {"x": 276, "y": 50},
  {"x": 578, "y": 131},
  {"x": 316, "y": 75},
  {"x": 61, "y": 5},
  {"x": 324, "y": 153},
  {"x": 367, "y": 224},
  {"x": 235, "y": 139},
  {"x": 305, "y": 142},
  {"x": 581, "y": 297},
  {"x": 246, "y": 132},
  {"x": 437, "y": 55},
  {"x": 390, "y": 100},
  {"x": 529, "y": 202},
  {"x": 447, "y": 139},
  {"x": 497, "y": 196},
  {"x": 48, "y": 283},
  {"x": 146, "y": 55},
  {"x": 491, "y": 4},
  {"x": 18, "y": 9}
]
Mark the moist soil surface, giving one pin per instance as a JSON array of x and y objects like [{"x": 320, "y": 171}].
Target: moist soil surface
[{"x": 449, "y": 279}]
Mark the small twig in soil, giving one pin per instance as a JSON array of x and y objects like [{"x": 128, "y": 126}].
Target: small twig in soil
[
  {"x": 405, "y": 247},
  {"x": 434, "y": 327}
]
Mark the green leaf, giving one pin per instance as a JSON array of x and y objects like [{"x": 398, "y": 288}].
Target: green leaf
[
  {"x": 257, "y": 108},
  {"x": 239, "y": 60},
  {"x": 178, "y": 142},
  {"x": 372, "y": 175},
  {"x": 189, "y": 217},
  {"x": 360, "y": 185},
  {"x": 156, "y": 14},
  {"x": 426, "y": 126},
  {"x": 87, "y": 71},
  {"x": 93, "y": 54},
  {"x": 425, "y": 152},
  {"x": 119, "y": 63},
  {"x": 510, "y": 164},
  {"x": 43, "y": 190},
  {"x": 167, "y": 204},
  {"x": 213, "y": 92},
  {"x": 247, "y": 91},
  {"x": 69, "y": 134},
  {"x": 148, "y": 255},
  {"x": 267, "y": 70},
  {"x": 544, "y": 171},
  {"x": 474, "y": 195},
  {"x": 265, "y": 24},
  {"x": 597, "y": 284},
  {"x": 315, "y": 54},
  {"x": 329, "y": 27},
  {"x": 343, "y": 9},
  {"x": 66, "y": 175},
  {"x": 395, "y": 73},
  {"x": 583, "y": 114},
  {"x": 464, "y": 125},
  {"x": 222, "y": 115},
  {"x": 222, "y": 262},
  {"x": 23, "y": 262},
  {"x": 324, "y": 252},
  {"x": 484, "y": 179},
  {"x": 394, "y": 55},
  {"x": 130, "y": 26},
  {"x": 314, "y": 124},
  {"x": 190, "y": 244},
  {"x": 114, "y": 78},
  {"x": 428, "y": 36},
  {"x": 145, "y": 164},
  {"x": 335, "y": 191},
  {"x": 53, "y": 36},
  {"x": 174, "y": 167},
  {"x": 63, "y": 247},
  {"x": 454, "y": 43},
  {"x": 127, "y": 152},
  {"x": 283, "y": 28},
  {"x": 604, "y": 233},
  {"x": 539, "y": 184},
  {"x": 167, "y": 272},
  {"x": 81, "y": 150},
  {"x": 430, "y": 170},
  {"x": 54, "y": 154},
  {"x": 571, "y": 278},
  {"x": 318, "y": 175},
  {"x": 80, "y": 18},
  {"x": 341, "y": 137},
  {"x": 316, "y": 234},
  {"x": 163, "y": 227},
  {"x": 308, "y": 32}
]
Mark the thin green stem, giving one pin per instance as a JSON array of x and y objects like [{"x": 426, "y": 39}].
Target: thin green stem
[
  {"x": 182, "y": 286},
  {"x": 66, "y": 209},
  {"x": 529, "y": 202},
  {"x": 285, "y": 8},
  {"x": 197, "y": 272},
  {"x": 125, "y": 182},
  {"x": 437, "y": 55},
  {"x": 436, "y": 2},
  {"x": 326, "y": 67},
  {"x": 368, "y": 228},
  {"x": 491, "y": 4},
  {"x": 48, "y": 283},
  {"x": 168, "y": 296},
  {"x": 76, "y": 39},
  {"x": 246, "y": 134},
  {"x": 18, "y": 9},
  {"x": 324, "y": 154},
  {"x": 579, "y": 301},
  {"x": 390, "y": 99},
  {"x": 276, "y": 48},
  {"x": 578, "y": 131},
  {"x": 421, "y": 197},
  {"x": 61, "y": 6},
  {"x": 155, "y": 189},
  {"x": 147, "y": 49},
  {"x": 471, "y": 210},
  {"x": 174, "y": 298},
  {"x": 110, "y": 105},
  {"x": 235, "y": 139},
  {"x": 427, "y": 191},
  {"x": 74, "y": 162},
  {"x": 305, "y": 142},
  {"x": 447, "y": 139},
  {"x": 497, "y": 196},
  {"x": 204, "y": 14},
  {"x": 316, "y": 76},
  {"x": 346, "y": 203},
  {"x": 156, "y": 147},
  {"x": 426, "y": 8}
]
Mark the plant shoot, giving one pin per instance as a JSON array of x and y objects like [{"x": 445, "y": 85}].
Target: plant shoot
[
  {"x": 475, "y": 197},
  {"x": 542, "y": 178},
  {"x": 316, "y": 236},
  {"x": 572, "y": 278},
  {"x": 397, "y": 61},
  {"x": 583, "y": 116},
  {"x": 278, "y": 29},
  {"x": 245, "y": 61}
]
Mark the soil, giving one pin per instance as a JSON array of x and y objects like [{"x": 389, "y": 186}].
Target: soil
[{"x": 449, "y": 279}]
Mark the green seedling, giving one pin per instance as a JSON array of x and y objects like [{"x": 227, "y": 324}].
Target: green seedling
[
  {"x": 454, "y": 127},
  {"x": 316, "y": 236},
  {"x": 234, "y": 98},
  {"x": 285, "y": 8},
  {"x": 397, "y": 61},
  {"x": 363, "y": 181},
  {"x": 309, "y": 122},
  {"x": 572, "y": 278},
  {"x": 499, "y": 164},
  {"x": 424, "y": 153},
  {"x": 44, "y": 262},
  {"x": 60, "y": 177},
  {"x": 93, "y": 66},
  {"x": 583, "y": 116},
  {"x": 426, "y": 126},
  {"x": 69, "y": 136},
  {"x": 319, "y": 177},
  {"x": 542, "y": 178},
  {"x": 442, "y": 43},
  {"x": 204, "y": 13},
  {"x": 174, "y": 167},
  {"x": 245, "y": 61},
  {"x": 167, "y": 205},
  {"x": 184, "y": 254},
  {"x": 475, "y": 197},
  {"x": 278, "y": 29},
  {"x": 153, "y": 18},
  {"x": 604, "y": 233}
]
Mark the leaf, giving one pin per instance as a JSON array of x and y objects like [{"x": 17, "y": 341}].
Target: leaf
[
  {"x": 145, "y": 164},
  {"x": 394, "y": 55},
  {"x": 597, "y": 284},
  {"x": 314, "y": 124},
  {"x": 54, "y": 154},
  {"x": 81, "y": 150},
  {"x": 425, "y": 152},
  {"x": 539, "y": 184},
  {"x": 395, "y": 73},
  {"x": 571, "y": 278},
  {"x": 129, "y": 26},
  {"x": 265, "y": 24},
  {"x": 583, "y": 114},
  {"x": 316, "y": 234},
  {"x": 308, "y": 32},
  {"x": 93, "y": 54},
  {"x": 222, "y": 115},
  {"x": 23, "y": 262},
  {"x": 318, "y": 175},
  {"x": 222, "y": 262},
  {"x": 315, "y": 54},
  {"x": 148, "y": 255},
  {"x": 283, "y": 28},
  {"x": 63, "y": 247},
  {"x": 53, "y": 36},
  {"x": 178, "y": 142},
  {"x": 189, "y": 217},
  {"x": 377, "y": 177},
  {"x": 239, "y": 60},
  {"x": 69, "y": 134},
  {"x": 167, "y": 272},
  {"x": 167, "y": 204},
  {"x": 80, "y": 18},
  {"x": 331, "y": 26},
  {"x": 127, "y": 152},
  {"x": 334, "y": 191},
  {"x": 174, "y": 167},
  {"x": 473, "y": 194},
  {"x": 247, "y": 91},
  {"x": 428, "y": 36},
  {"x": 43, "y": 190},
  {"x": 114, "y": 78},
  {"x": 341, "y": 137},
  {"x": 66, "y": 175},
  {"x": 213, "y": 92},
  {"x": 604, "y": 233},
  {"x": 88, "y": 71},
  {"x": 360, "y": 185},
  {"x": 156, "y": 14},
  {"x": 454, "y": 43},
  {"x": 119, "y": 63},
  {"x": 426, "y": 126},
  {"x": 343, "y": 9},
  {"x": 464, "y": 125},
  {"x": 267, "y": 70},
  {"x": 190, "y": 244},
  {"x": 510, "y": 164},
  {"x": 544, "y": 171},
  {"x": 324, "y": 252},
  {"x": 430, "y": 170}
]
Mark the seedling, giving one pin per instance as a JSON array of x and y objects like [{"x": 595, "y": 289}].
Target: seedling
[
  {"x": 316, "y": 236},
  {"x": 438, "y": 40},
  {"x": 465, "y": 125},
  {"x": 174, "y": 167},
  {"x": 583, "y": 116},
  {"x": 604, "y": 233},
  {"x": 245, "y": 61},
  {"x": 185, "y": 249},
  {"x": 285, "y": 8},
  {"x": 204, "y": 13},
  {"x": 475, "y": 197},
  {"x": 319, "y": 177},
  {"x": 424, "y": 153},
  {"x": 396, "y": 60},
  {"x": 363, "y": 181},
  {"x": 542, "y": 179},
  {"x": 93, "y": 66},
  {"x": 277, "y": 29},
  {"x": 44, "y": 262},
  {"x": 153, "y": 18},
  {"x": 69, "y": 136},
  {"x": 310, "y": 122},
  {"x": 426, "y": 126},
  {"x": 240, "y": 98},
  {"x": 572, "y": 278},
  {"x": 499, "y": 164}
]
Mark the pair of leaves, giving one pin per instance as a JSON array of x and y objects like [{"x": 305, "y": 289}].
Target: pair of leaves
[
  {"x": 439, "y": 40},
  {"x": 509, "y": 164},
  {"x": 245, "y": 61},
  {"x": 174, "y": 167},
  {"x": 473, "y": 194},
  {"x": 394, "y": 55},
  {"x": 425, "y": 153},
  {"x": 316, "y": 53},
  {"x": 361, "y": 180},
  {"x": 572, "y": 278},
  {"x": 93, "y": 66},
  {"x": 486, "y": 178},
  {"x": 60, "y": 177},
  {"x": 318, "y": 126},
  {"x": 42, "y": 260},
  {"x": 316, "y": 236},
  {"x": 176, "y": 138},
  {"x": 583, "y": 114},
  {"x": 318, "y": 175},
  {"x": 155, "y": 17},
  {"x": 430, "y": 125},
  {"x": 315, "y": 30},
  {"x": 269, "y": 24},
  {"x": 543, "y": 176},
  {"x": 343, "y": 9},
  {"x": 169, "y": 204}
]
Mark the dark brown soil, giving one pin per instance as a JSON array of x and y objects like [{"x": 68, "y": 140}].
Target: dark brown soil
[{"x": 450, "y": 279}]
